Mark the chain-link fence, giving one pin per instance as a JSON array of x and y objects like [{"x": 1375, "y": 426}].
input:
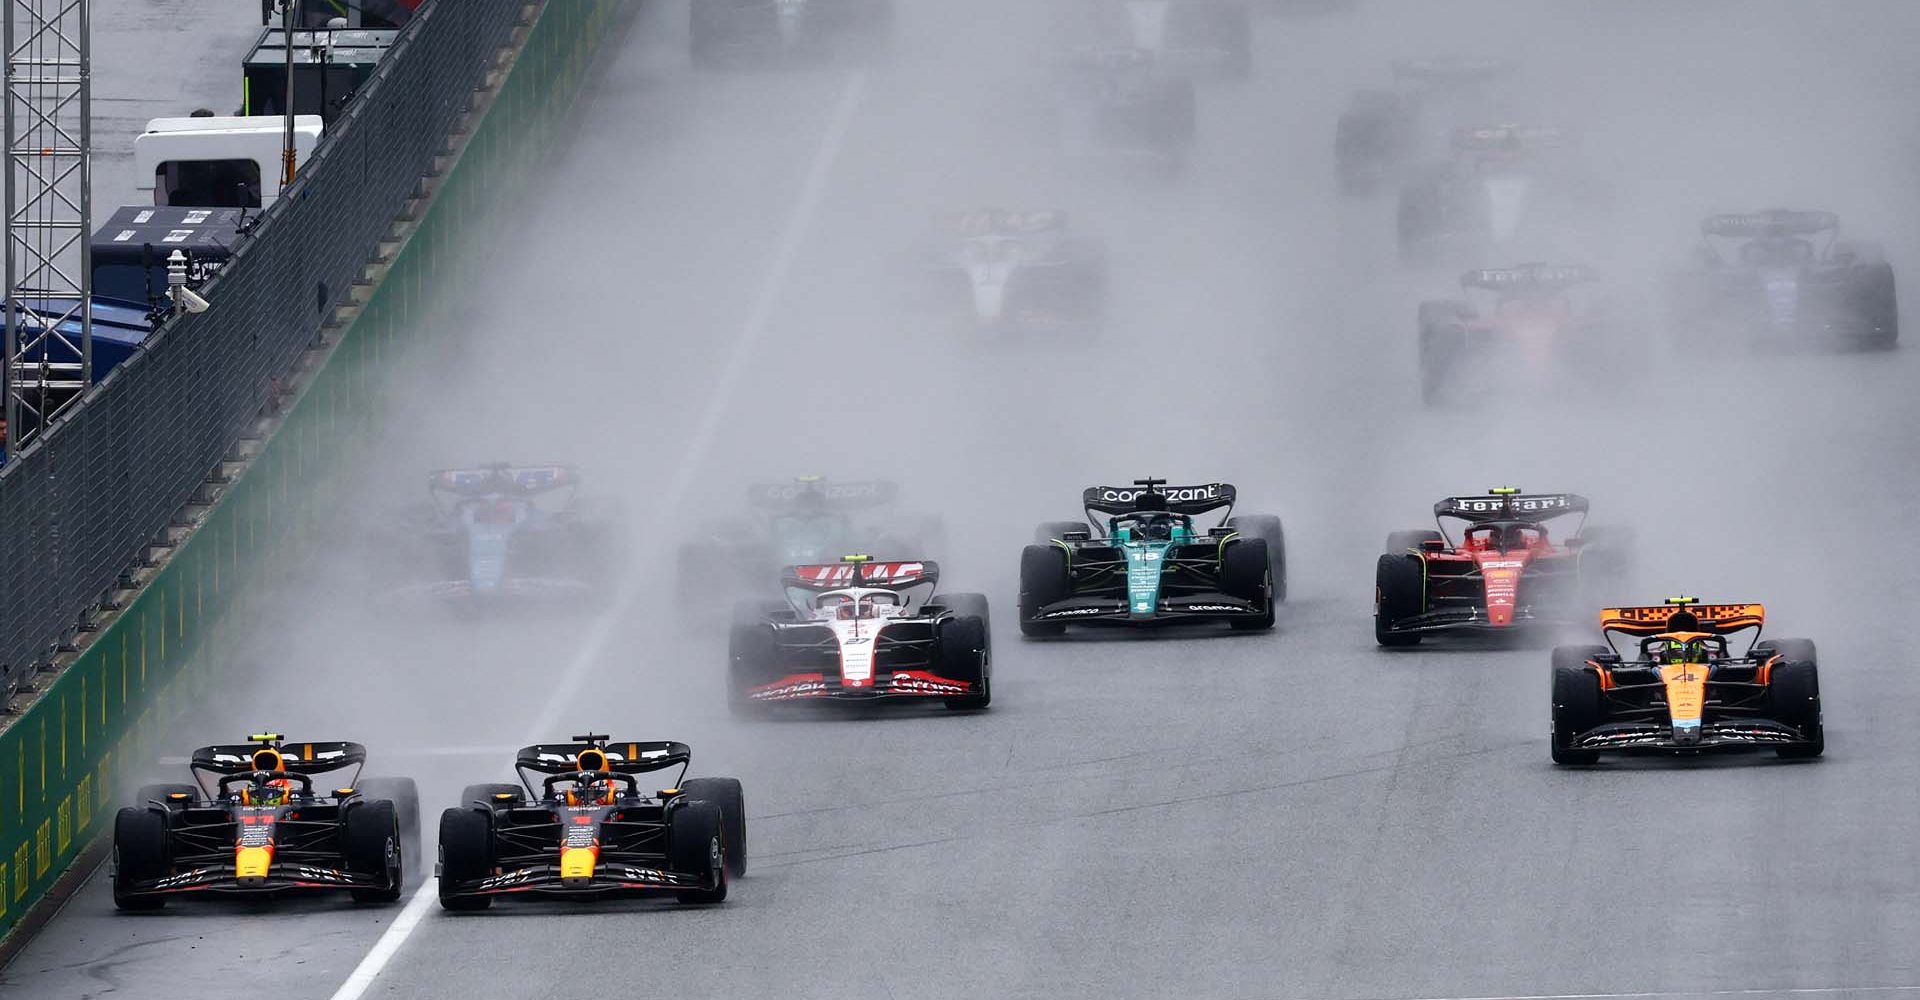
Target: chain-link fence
[{"x": 80, "y": 503}]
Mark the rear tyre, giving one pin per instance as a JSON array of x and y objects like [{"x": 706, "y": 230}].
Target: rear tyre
[
  {"x": 1576, "y": 702},
  {"x": 140, "y": 854},
  {"x": 695, "y": 839},
  {"x": 1247, "y": 573},
  {"x": 405, "y": 796},
  {"x": 1400, "y": 543},
  {"x": 483, "y": 795},
  {"x": 1399, "y": 593},
  {"x": 732, "y": 800},
  {"x": 370, "y": 843},
  {"x": 1794, "y": 690},
  {"x": 1267, "y": 527},
  {"x": 963, "y": 651},
  {"x": 1044, "y": 580},
  {"x": 466, "y": 854}
]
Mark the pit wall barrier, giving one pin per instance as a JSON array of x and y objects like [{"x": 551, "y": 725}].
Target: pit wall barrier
[{"x": 68, "y": 759}]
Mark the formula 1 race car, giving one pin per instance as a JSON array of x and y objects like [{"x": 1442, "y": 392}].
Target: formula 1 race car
[
  {"x": 1537, "y": 329},
  {"x": 503, "y": 533},
  {"x": 1505, "y": 572},
  {"x": 1382, "y": 132},
  {"x": 1119, "y": 106},
  {"x": 1760, "y": 276},
  {"x": 1022, "y": 270},
  {"x": 587, "y": 830},
  {"x": 806, "y": 521},
  {"x": 859, "y": 630},
  {"x": 252, "y": 823},
  {"x": 1148, "y": 564},
  {"x": 1211, "y": 37},
  {"x": 757, "y": 33},
  {"x": 1508, "y": 190},
  {"x": 1682, "y": 690}
]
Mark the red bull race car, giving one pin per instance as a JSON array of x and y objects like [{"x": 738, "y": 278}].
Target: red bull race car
[
  {"x": 254, "y": 823},
  {"x": 862, "y": 631},
  {"x": 1683, "y": 688},
  {"x": 1506, "y": 571},
  {"x": 578, "y": 825}
]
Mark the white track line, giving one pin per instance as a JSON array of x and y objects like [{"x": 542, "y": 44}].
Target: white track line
[
  {"x": 1666, "y": 994},
  {"x": 698, "y": 441}
]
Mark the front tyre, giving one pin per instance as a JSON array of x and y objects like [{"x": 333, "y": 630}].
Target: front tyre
[
  {"x": 466, "y": 855},
  {"x": 695, "y": 846},
  {"x": 1044, "y": 580},
  {"x": 1399, "y": 593},
  {"x": 370, "y": 845},
  {"x": 1247, "y": 573},
  {"x": 140, "y": 854},
  {"x": 1576, "y": 702}
]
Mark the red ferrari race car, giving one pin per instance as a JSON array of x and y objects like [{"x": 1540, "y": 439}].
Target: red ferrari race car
[
  {"x": 1539, "y": 324},
  {"x": 1506, "y": 571},
  {"x": 859, "y": 630}
]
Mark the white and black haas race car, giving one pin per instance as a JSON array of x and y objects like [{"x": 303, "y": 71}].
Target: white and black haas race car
[
  {"x": 1021, "y": 271},
  {"x": 859, "y": 630}
]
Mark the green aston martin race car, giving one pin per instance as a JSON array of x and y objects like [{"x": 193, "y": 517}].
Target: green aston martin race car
[{"x": 1147, "y": 563}]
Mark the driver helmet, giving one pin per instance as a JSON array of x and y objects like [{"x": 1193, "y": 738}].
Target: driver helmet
[
  {"x": 1687, "y": 651},
  {"x": 264, "y": 790},
  {"x": 598, "y": 792},
  {"x": 1156, "y": 527}
]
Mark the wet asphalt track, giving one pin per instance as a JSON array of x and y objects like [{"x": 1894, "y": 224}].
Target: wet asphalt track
[{"x": 1207, "y": 815}]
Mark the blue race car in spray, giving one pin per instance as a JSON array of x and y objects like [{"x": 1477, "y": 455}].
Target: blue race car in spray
[
  {"x": 1785, "y": 277},
  {"x": 506, "y": 533},
  {"x": 1147, "y": 563}
]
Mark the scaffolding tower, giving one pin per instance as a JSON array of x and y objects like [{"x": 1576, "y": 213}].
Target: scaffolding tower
[{"x": 49, "y": 209}]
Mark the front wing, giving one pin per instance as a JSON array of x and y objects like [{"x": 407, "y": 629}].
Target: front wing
[
  {"x": 282, "y": 877},
  {"x": 1721, "y": 736},
  {"x": 608, "y": 878},
  {"x": 1174, "y": 610},
  {"x": 819, "y": 686}
]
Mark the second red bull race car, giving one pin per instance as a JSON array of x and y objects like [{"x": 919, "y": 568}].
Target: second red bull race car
[
  {"x": 1507, "y": 570},
  {"x": 860, "y": 630}
]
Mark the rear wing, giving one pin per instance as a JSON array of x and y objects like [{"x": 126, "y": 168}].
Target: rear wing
[
  {"x": 622, "y": 757},
  {"x": 295, "y": 758},
  {"x": 1773, "y": 222},
  {"x": 861, "y": 573},
  {"x": 1507, "y": 138},
  {"x": 502, "y": 478},
  {"x": 1528, "y": 277},
  {"x": 999, "y": 222},
  {"x": 1511, "y": 505},
  {"x": 853, "y": 495},
  {"x": 1681, "y": 616},
  {"x": 1189, "y": 500}
]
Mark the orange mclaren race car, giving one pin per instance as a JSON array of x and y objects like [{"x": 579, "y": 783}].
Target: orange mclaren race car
[
  {"x": 253, "y": 823},
  {"x": 586, "y": 829},
  {"x": 1683, "y": 690}
]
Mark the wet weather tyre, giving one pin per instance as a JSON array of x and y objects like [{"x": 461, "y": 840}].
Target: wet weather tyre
[
  {"x": 965, "y": 653},
  {"x": 695, "y": 835},
  {"x": 466, "y": 853},
  {"x": 1400, "y": 592},
  {"x": 370, "y": 845},
  {"x": 405, "y": 796},
  {"x": 482, "y": 795},
  {"x": 1044, "y": 580},
  {"x": 1267, "y": 527},
  {"x": 1246, "y": 572},
  {"x": 751, "y": 657},
  {"x": 140, "y": 853},
  {"x": 732, "y": 800},
  {"x": 1576, "y": 702},
  {"x": 968, "y": 605},
  {"x": 1794, "y": 691}
]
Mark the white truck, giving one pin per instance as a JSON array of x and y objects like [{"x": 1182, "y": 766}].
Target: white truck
[{"x": 218, "y": 162}]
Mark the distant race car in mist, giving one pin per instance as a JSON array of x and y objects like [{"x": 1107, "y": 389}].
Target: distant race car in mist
[
  {"x": 253, "y": 824},
  {"x": 1383, "y": 132},
  {"x": 1508, "y": 190},
  {"x": 761, "y": 33},
  {"x": 1540, "y": 327},
  {"x": 1785, "y": 278},
  {"x": 857, "y": 630},
  {"x": 805, "y": 521},
  {"x": 1506, "y": 572},
  {"x": 1148, "y": 563},
  {"x": 504, "y": 533},
  {"x": 1683, "y": 689},
  {"x": 1120, "y": 106},
  {"x": 579, "y": 826},
  {"x": 1206, "y": 37},
  {"x": 1017, "y": 271}
]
